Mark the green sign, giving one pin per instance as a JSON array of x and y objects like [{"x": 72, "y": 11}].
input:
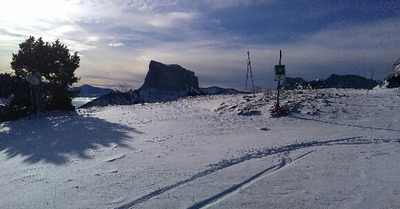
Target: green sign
[{"x": 280, "y": 72}]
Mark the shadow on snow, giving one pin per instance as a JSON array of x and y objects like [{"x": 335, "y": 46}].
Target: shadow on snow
[{"x": 54, "y": 138}]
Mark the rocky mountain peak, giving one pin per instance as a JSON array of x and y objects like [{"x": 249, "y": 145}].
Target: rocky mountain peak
[{"x": 169, "y": 77}]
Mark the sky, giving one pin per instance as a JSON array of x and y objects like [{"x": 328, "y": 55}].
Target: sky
[{"x": 117, "y": 39}]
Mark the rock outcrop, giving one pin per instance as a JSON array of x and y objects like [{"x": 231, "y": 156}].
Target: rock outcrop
[
  {"x": 162, "y": 83},
  {"x": 169, "y": 78}
]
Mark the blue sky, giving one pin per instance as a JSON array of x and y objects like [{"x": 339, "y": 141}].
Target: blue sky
[{"x": 117, "y": 39}]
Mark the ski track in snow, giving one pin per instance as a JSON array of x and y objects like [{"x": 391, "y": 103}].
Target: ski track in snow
[
  {"x": 344, "y": 124},
  {"x": 250, "y": 156},
  {"x": 233, "y": 190}
]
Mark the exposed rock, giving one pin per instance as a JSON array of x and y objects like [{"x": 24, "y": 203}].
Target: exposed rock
[
  {"x": 393, "y": 79},
  {"x": 169, "y": 78}
]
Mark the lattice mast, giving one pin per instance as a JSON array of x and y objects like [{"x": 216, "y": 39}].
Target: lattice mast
[{"x": 249, "y": 71}]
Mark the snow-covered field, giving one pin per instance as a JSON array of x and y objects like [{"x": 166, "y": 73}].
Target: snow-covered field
[{"x": 336, "y": 149}]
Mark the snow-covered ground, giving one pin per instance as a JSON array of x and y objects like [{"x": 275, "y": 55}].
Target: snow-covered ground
[{"x": 336, "y": 149}]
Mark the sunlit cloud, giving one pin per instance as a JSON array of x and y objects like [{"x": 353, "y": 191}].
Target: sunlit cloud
[
  {"x": 93, "y": 39},
  {"x": 78, "y": 46},
  {"x": 62, "y": 31}
]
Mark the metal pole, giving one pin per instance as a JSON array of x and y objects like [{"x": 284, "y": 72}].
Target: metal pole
[
  {"x": 251, "y": 72},
  {"x": 277, "y": 100},
  {"x": 279, "y": 82},
  {"x": 37, "y": 100},
  {"x": 247, "y": 72},
  {"x": 32, "y": 99}
]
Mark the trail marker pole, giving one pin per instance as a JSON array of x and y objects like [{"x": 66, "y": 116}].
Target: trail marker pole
[
  {"x": 279, "y": 81},
  {"x": 280, "y": 74},
  {"x": 251, "y": 73}
]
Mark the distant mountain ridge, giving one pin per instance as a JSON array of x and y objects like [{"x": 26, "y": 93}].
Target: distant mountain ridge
[
  {"x": 214, "y": 90},
  {"x": 91, "y": 91},
  {"x": 334, "y": 81}
]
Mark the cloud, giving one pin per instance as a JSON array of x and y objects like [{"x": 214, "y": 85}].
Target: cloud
[
  {"x": 172, "y": 19},
  {"x": 116, "y": 44},
  {"x": 93, "y": 39},
  {"x": 367, "y": 43},
  {"x": 150, "y": 5},
  {"x": 369, "y": 36},
  {"x": 78, "y": 46},
  {"x": 61, "y": 31},
  {"x": 219, "y": 4}
]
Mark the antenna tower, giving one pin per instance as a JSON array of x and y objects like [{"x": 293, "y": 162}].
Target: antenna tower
[{"x": 249, "y": 70}]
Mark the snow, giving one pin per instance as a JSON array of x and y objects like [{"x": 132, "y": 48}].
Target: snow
[{"x": 336, "y": 149}]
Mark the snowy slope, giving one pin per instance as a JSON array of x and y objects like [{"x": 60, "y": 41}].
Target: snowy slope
[{"x": 337, "y": 149}]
